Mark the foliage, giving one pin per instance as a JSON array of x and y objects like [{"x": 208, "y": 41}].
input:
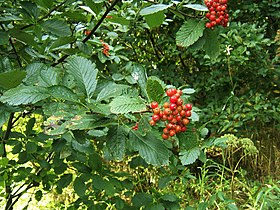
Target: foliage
[{"x": 76, "y": 76}]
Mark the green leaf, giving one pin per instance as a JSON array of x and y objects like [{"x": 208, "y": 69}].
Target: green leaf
[
  {"x": 197, "y": 7},
  {"x": 111, "y": 90},
  {"x": 170, "y": 197},
  {"x": 85, "y": 73},
  {"x": 98, "y": 133},
  {"x": 194, "y": 117},
  {"x": 47, "y": 77},
  {"x": 126, "y": 104},
  {"x": 4, "y": 115},
  {"x": 117, "y": 77},
  {"x": 81, "y": 167},
  {"x": 159, "y": 206},
  {"x": 212, "y": 44},
  {"x": 188, "y": 91},
  {"x": 96, "y": 6},
  {"x": 30, "y": 9},
  {"x": 116, "y": 142},
  {"x": 31, "y": 147},
  {"x": 190, "y": 156},
  {"x": 38, "y": 195},
  {"x": 4, "y": 37},
  {"x": 79, "y": 187},
  {"x": 139, "y": 74},
  {"x": 142, "y": 199},
  {"x": 64, "y": 181},
  {"x": 154, "y": 89},
  {"x": 119, "y": 20},
  {"x": 150, "y": 148},
  {"x": 164, "y": 181},
  {"x": 144, "y": 125},
  {"x": 99, "y": 108},
  {"x": 24, "y": 95},
  {"x": 154, "y": 9},
  {"x": 189, "y": 32},
  {"x": 33, "y": 71},
  {"x": 11, "y": 79},
  {"x": 24, "y": 37},
  {"x": 61, "y": 41},
  {"x": 187, "y": 139},
  {"x": 57, "y": 27},
  {"x": 46, "y": 4},
  {"x": 63, "y": 93},
  {"x": 9, "y": 17},
  {"x": 232, "y": 206},
  {"x": 155, "y": 20}
]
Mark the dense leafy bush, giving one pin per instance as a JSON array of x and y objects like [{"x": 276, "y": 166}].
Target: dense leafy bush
[{"x": 77, "y": 79}]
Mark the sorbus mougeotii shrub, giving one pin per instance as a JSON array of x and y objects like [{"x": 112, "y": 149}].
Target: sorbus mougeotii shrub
[
  {"x": 218, "y": 13},
  {"x": 175, "y": 114}
]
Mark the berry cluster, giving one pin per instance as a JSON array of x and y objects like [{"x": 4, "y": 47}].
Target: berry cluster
[
  {"x": 174, "y": 113},
  {"x": 105, "y": 49},
  {"x": 135, "y": 127},
  {"x": 218, "y": 14}
]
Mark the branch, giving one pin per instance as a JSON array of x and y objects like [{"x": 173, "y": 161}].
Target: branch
[
  {"x": 14, "y": 49},
  {"x": 7, "y": 133},
  {"x": 91, "y": 32},
  {"x": 100, "y": 21}
]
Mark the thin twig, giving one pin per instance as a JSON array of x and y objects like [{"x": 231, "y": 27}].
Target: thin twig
[
  {"x": 14, "y": 49},
  {"x": 60, "y": 60}
]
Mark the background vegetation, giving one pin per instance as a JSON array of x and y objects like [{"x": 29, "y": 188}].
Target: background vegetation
[{"x": 77, "y": 76}]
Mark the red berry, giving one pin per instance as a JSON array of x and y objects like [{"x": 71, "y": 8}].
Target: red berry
[
  {"x": 178, "y": 118},
  {"x": 186, "y": 121},
  {"x": 172, "y": 133},
  {"x": 179, "y": 101},
  {"x": 173, "y": 99},
  {"x": 178, "y": 129},
  {"x": 155, "y": 117},
  {"x": 180, "y": 92},
  {"x": 173, "y": 106},
  {"x": 213, "y": 23},
  {"x": 152, "y": 122},
  {"x": 188, "y": 106},
  {"x": 208, "y": 25},
  {"x": 213, "y": 13},
  {"x": 165, "y": 130},
  {"x": 164, "y": 117},
  {"x": 167, "y": 111},
  {"x": 212, "y": 17},
  {"x": 87, "y": 32},
  {"x": 170, "y": 92},
  {"x": 179, "y": 108},
  {"x": 183, "y": 113},
  {"x": 173, "y": 121},
  {"x": 164, "y": 136},
  {"x": 169, "y": 126},
  {"x": 166, "y": 105},
  {"x": 218, "y": 20},
  {"x": 156, "y": 110},
  {"x": 183, "y": 129},
  {"x": 175, "y": 112},
  {"x": 154, "y": 105},
  {"x": 188, "y": 113},
  {"x": 174, "y": 91},
  {"x": 170, "y": 118}
]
